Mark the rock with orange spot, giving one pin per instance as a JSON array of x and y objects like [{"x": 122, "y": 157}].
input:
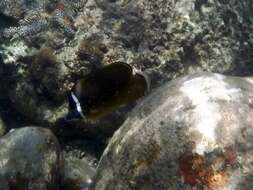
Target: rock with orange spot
[
  {"x": 216, "y": 180},
  {"x": 193, "y": 132},
  {"x": 192, "y": 168}
]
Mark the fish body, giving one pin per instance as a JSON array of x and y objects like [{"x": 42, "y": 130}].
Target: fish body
[{"x": 103, "y": 91}]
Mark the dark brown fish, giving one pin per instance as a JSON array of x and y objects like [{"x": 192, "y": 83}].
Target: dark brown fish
[{"x": 103, "y": 91}]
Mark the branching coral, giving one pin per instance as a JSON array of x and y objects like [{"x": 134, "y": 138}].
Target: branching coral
[{"x": 56, "y": 18}]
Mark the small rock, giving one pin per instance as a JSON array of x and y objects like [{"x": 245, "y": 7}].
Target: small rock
[
  {"x": 77, "y": 174},
  {"x": 194, "y": 131},
  {"x": 30, "y": 159}
]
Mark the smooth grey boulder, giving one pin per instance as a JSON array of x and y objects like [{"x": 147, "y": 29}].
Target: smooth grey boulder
[
  {"x": 29, "y": 160},
  {"x": 193, "y": 132},
  {"x": 77, "y": 174}
]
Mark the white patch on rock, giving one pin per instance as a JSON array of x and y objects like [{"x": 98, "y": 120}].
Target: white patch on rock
[
  {"x": 12, "y": 130},
  {"x": 89, "y": 181},
  {"x": 218, "y": 76},
  {"x": 250, "y": 80},
  {"x": 16, "y": 49},
  {"x": 184, "y": 7},
  {"x": 250, "y": 101},
  {"x": 202, "y": 91},
  {"x": 3, "y": 162}
]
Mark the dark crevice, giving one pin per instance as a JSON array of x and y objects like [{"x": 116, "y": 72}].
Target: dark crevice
[
  {"x": 199, "y": 4},
  {"x": 7, "y": 21}
]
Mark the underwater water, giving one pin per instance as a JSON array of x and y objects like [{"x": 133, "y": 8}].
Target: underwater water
[{"x": 123, "y": 94}]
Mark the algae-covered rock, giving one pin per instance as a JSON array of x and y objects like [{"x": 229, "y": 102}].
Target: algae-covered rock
[
  {"x": 32, "y": 82},
  {"x": 77, "y": 174},
  {"x": 36, "y": 108},
  {"x": 30, "y": 159},
  {"x": 172, "y": 38},
  {"x": 193, "y": 132},
  {"x": 12, "y": 51},
  {"x": 166, "y": 38}
]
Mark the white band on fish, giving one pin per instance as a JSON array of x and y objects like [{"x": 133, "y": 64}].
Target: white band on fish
[{"x": 78, "y": 105}]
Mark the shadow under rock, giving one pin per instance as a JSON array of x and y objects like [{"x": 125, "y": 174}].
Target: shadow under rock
[{"x": 6, "y": 21}]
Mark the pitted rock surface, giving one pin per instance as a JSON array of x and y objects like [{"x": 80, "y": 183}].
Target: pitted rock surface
[
  {"x": 29, "y": 159},
  {"x": 194, "y": 131}
]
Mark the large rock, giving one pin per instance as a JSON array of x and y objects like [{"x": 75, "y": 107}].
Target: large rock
[
  {"x": 194, "y": 131},
  {"x": 29, "y": 159}
]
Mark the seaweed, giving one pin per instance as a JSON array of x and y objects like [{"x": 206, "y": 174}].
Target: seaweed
[
  {"x": 45, "y": 74},
  {"x": 91, "y": 50}
]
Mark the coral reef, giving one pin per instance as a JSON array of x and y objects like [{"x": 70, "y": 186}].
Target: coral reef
[
  {"x": 173, "y": 38},
  {"x": 48, "y": 19}
]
